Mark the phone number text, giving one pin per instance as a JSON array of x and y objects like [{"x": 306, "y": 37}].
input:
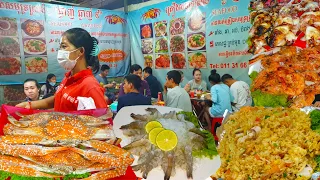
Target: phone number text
[{"x": 229, "y": 65}]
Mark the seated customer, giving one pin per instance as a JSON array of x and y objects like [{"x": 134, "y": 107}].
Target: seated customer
[
  {"x": 220, "y": 96},
  {"x": 132, "y": 96},
  {"x": 103, "y": 81},
  {"x": 177, "y": 97},
  {"x": 153, "y": 82},
  {"x": 31, "y": 89},
  {"x": 240, "y": 91},
  {"x": 50, "y": 87},
  {"x": 144, "y": 88},
  {"x": 197, "y": 83}
]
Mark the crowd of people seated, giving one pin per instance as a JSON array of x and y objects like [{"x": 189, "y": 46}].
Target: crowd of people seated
[{"x": 141, "y": 87}]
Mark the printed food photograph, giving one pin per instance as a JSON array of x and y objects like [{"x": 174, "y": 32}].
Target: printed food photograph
[
  {"x": 146, "y": 31},
  {"x": 178, "y": 61},
  {"x": 177, "y": 26},
  {"x": 10, "y": 65},
  {"x": 14, "y": 93},
  {"x": 147, "y": 46},
  {"x": 148, "y": 60},
  {"x": 177, "y": 43},
  {"x": 8, "y": 26},
  {"x": 196, "y": 22},
  {"x": 32, "y": 28},
  {"x": 9, "y": 46},
  {"x": 162, "y": 61},
  {"x": 161, "y": 45},
  {"x": 36, "y": 65},
  {"x": 34, "y": 46},
  {"x": 196, "y": 41},
  {"x": 197, "y": 60},
  {"x": 160, "y": 28}
]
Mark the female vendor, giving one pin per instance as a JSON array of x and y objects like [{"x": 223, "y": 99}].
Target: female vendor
[{"x": 77, "y": 53}]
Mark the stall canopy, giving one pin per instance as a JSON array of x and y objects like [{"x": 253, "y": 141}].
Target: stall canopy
[{"x": 101, "y": 4}]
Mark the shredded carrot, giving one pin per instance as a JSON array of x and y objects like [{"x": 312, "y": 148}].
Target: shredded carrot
[
  {"x": 274, "y": 169},
  {"x": 287, "y": 164},
  {"x": 257, "y": 157}
]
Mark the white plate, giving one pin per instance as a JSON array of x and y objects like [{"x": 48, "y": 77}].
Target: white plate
[
  {"x": 147, "y": 41},
  {"x": 34, "y": 53},
  {"x": 256, "y": 66},
  {"x": 203, "y": 168},
  {"x": 190, "y": 56},
  {"x": 196, "y": 48},
  {"x": 183, "y": 41},
  {"x": 33, "y": 69}
]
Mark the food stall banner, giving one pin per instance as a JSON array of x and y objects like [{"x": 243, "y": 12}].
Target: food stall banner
[
  {"x": 30, "y": 35},
  {"x": 184, "y": 35}
]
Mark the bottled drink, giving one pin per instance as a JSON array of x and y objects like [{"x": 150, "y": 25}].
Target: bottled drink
[{"x": 159, "y": 96}]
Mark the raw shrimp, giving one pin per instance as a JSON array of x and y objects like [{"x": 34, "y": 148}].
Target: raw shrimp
[
  {"x": 139, "y": 147},
  {"x": 190, "y": 139}
]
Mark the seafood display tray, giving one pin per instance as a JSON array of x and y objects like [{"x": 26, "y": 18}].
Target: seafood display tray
[{"x": 203, "y": 168}]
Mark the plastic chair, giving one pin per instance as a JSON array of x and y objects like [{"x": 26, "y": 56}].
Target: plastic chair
[{"x": 215, "y": 123}]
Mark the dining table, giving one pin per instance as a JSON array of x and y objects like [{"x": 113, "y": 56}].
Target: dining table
[{"x": 199, "y": 106}]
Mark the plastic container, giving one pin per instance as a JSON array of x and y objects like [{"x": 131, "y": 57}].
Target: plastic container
[{"x": 113, "y": 106}]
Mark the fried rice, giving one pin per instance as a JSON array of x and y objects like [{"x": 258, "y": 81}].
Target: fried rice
[{"x": 268, "y": 143}]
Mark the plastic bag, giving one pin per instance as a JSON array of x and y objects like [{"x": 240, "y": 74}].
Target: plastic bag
[{"x": 85, "y": 103}]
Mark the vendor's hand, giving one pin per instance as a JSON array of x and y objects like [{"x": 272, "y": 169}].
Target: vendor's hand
[
  {"x": 316, "y": 104},
  {"x": 112, "y": 85},
  {"x": 24, "y": 105},
  {"x": 187, "y": 87}
]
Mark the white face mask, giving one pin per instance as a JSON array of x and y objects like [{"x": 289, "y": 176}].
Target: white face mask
[{"x": 64, "y": 59}]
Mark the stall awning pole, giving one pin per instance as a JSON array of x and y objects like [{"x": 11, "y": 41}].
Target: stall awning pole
[{"x": 125, "y": 2}]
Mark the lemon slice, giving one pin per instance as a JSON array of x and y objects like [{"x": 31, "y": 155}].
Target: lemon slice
[
  {"x": 154, "y": 133},
  {"x": 167, "y": 140},
  {"x": 152, "y": 124}
]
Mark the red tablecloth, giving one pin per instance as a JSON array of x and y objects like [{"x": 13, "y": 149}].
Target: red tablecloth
[{"x": 5, "y": 110}]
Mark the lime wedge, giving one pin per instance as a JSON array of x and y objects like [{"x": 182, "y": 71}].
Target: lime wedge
[
  {"x": 167, "y": 140},
  {"x": 152, "y": 124},
  {"x": 154, "y": 133}
]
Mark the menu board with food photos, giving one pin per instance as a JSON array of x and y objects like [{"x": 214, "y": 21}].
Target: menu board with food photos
[
  {"x": 188, "y": 34},
  {"x": 30, "y": 35}
]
